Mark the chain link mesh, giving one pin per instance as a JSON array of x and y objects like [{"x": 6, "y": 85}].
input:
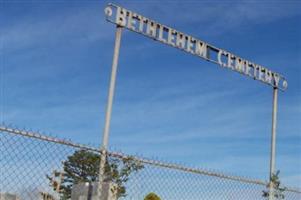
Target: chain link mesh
[{"x": 28, "y": 158}]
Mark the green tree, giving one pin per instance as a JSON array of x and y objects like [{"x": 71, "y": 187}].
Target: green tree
[
  {"x": 83, "y": 166},
  {"x": 152, "y": 196},
  {"x": 278, "y": 191}
]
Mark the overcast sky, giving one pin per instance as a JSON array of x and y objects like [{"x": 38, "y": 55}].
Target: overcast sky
[{"x": 55, "y": 67}]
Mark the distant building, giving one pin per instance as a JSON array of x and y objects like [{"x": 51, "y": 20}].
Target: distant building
[
  {"x": 84, "y": 191},
  {"x": 8, "y": 196}
]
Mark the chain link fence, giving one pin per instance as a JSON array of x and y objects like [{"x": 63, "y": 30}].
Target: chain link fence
[{"x": 38, "y": 167}]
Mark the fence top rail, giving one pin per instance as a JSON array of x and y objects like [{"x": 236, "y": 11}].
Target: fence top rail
[{"x": 39, "y": 136}]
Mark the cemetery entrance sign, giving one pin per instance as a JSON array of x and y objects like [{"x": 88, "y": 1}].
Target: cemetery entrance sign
[
  {"x": 192, "y": 45},
  {"x": 124, "y": 18}
]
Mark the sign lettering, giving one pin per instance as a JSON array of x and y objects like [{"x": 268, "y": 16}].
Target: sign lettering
[{"x": 140, "y": 24}]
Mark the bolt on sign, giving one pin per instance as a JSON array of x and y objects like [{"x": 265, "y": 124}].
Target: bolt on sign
[{"x": 150, "y": 28}]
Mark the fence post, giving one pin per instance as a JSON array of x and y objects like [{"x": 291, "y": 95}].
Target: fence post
[
  {"x": 105, "y": 139},
  {"x": 273, "y": 143}
]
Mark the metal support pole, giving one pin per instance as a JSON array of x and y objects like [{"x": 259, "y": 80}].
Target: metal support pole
[
  {"x": 105, "y": 138},
  {"x": 90, "y": 190},
  {"x": 273, "y": 142}
]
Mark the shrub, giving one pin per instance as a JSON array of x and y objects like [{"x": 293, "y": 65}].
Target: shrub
[{"x": 152, "y": 196}]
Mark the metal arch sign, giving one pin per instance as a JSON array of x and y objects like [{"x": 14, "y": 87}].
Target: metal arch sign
[
  {"x": 150, "y": 28},
  {"x": 169, "y": 36}
]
